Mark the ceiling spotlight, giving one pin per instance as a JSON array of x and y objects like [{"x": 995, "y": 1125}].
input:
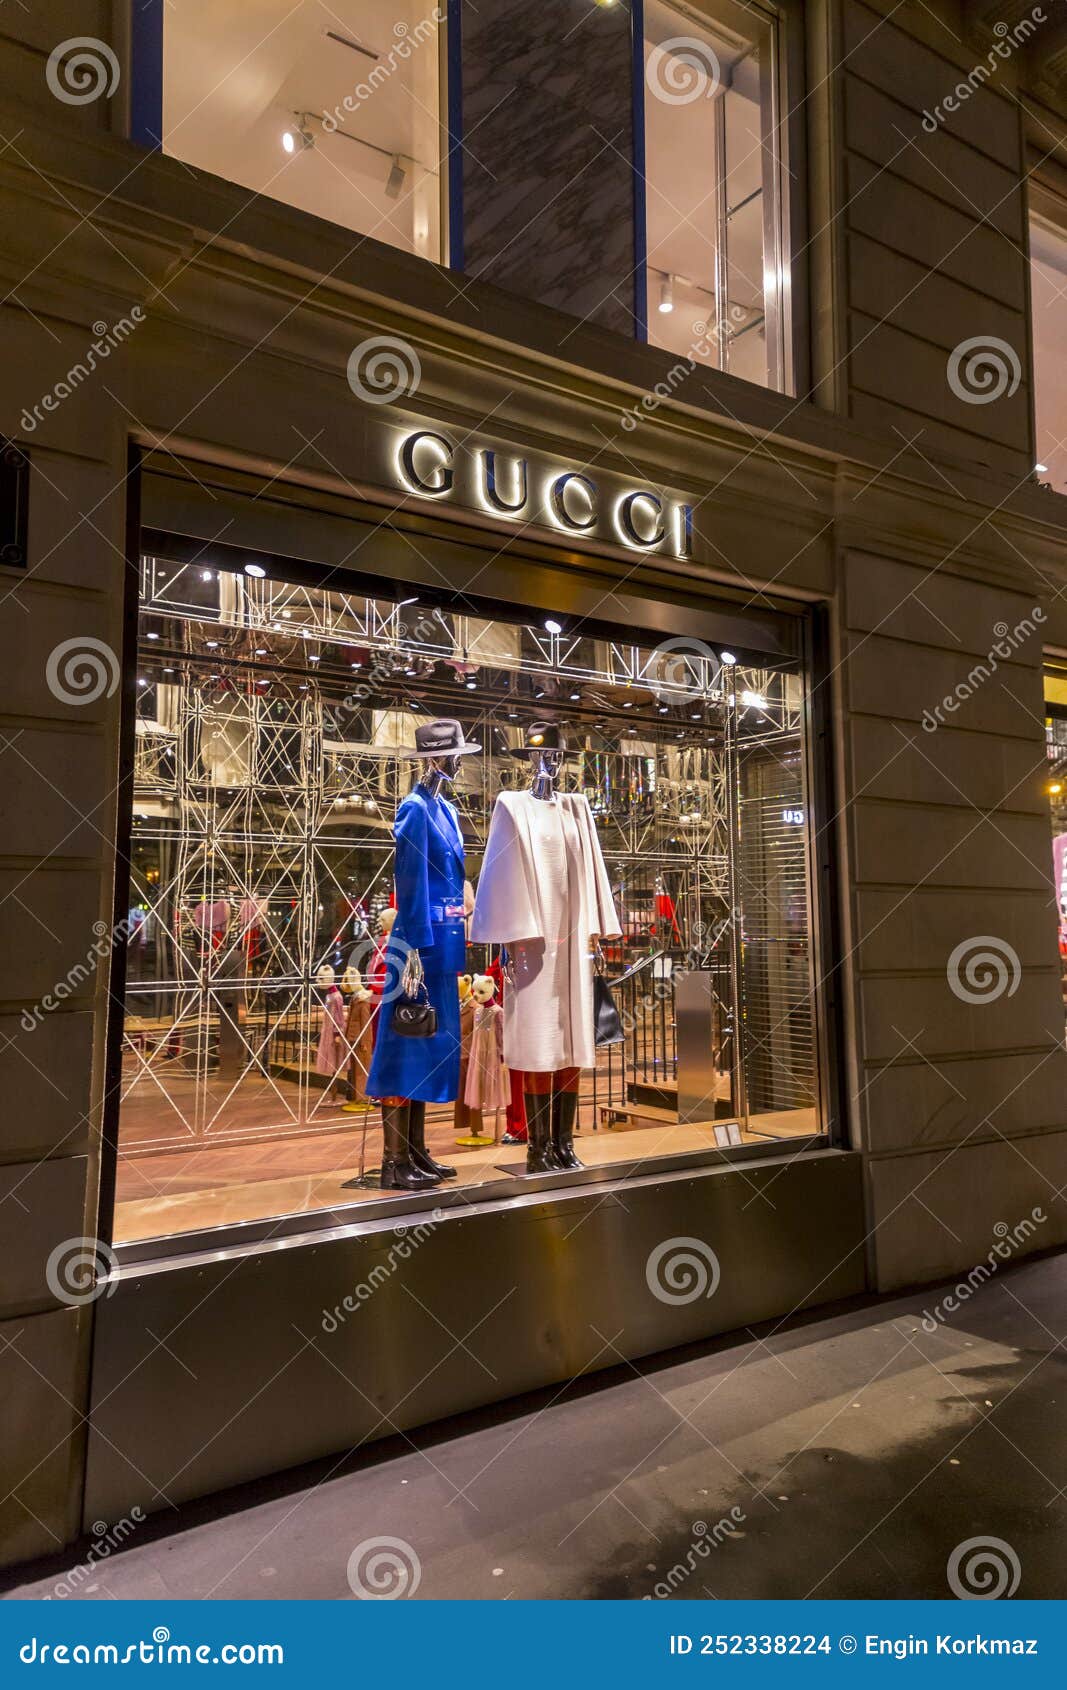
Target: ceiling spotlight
[
  {"x": 151, "y": 636},
  {"x": 552, "y": 626},
  {"x": 727, "y": 657},
  {"x": 575, "y": 696},
  {"x": 299, "y": 138},
  {"x": 255, "y": 569},
  {"x": 472, "y": 686},
  {"x": 205, "y": 575},
  {"x": 394, "y": 183},
  {"x": 1041, "y": 469},
  {"x": 666, "y": 294}
]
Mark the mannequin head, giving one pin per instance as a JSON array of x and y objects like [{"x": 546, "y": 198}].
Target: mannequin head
[
  {"x": 546, "y": 749},
  {"x": 352, "y": 982},
  {"x": 464, "y": 983},
  {"x": 437, "y": 770},
  {"x": 483, "y": 988},
  {"x": 325, "y": 977},
  {"x": 386, "y": 919}
]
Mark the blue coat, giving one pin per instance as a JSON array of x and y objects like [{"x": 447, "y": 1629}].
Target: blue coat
[{"x": 429, "y": 903}]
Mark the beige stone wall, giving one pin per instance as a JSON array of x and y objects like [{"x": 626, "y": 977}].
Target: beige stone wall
[{"x": 920, "y": 551}]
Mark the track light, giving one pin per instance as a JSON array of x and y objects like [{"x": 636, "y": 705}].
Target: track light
[
  {"x": 394, "y": 183},
  {"x": 666, "y": 293},
  {"x": 299, "y": 137}
]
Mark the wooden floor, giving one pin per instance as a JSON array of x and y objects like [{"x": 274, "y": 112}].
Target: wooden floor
[{"x": 183, "y": 1190}]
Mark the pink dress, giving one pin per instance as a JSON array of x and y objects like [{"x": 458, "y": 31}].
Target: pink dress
[
  {"x": 333, "y": 1046},
  {"x": 488, "y": 1082}
]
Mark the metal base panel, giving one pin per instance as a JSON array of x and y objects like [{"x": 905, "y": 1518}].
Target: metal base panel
[{"x": 225, "y": 1366}]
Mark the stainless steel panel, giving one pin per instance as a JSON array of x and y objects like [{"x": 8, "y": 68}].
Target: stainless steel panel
[
  {"x": 694, "y": 1012},
  {"x": 226, "y": 1367}
]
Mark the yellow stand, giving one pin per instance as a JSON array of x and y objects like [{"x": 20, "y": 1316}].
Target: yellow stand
[{"x": 476, "y": 1141}]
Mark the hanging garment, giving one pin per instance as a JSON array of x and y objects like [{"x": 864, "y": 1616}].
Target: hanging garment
[
  {"x": 488, "y": 1082},
  {"x": 333, "y": 1047},
  {"x": 359, "y": 1040},
  {"x": 466, "y": 1121},
  {"x": 544, "y": 893},
  {"x": 429, "y": 902}
]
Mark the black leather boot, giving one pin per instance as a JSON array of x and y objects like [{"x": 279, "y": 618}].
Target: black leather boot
[
  {"x": 399, "y": 1172},
  {"x": 419, "y": 1153},
  {"x": 564, "y": 1114},
  {"x": 540, "y": 1154}
]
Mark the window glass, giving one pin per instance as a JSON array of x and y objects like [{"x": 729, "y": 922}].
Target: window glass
[
  {"x": 333, "y": 108},
  {"x": 1048, "y": 284},
  {"x": 712, "y": 190},
  {"x": 1056, "y": 742},
  {"x": 275, "y": 726}
]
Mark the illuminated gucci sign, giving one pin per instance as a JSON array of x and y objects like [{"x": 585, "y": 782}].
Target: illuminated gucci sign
[{"x": 507, "y": 485}]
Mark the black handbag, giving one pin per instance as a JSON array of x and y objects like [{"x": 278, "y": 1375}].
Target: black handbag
[
  {"x": 607, "y": 1022},
  {"x": 415, "y": 1018}
]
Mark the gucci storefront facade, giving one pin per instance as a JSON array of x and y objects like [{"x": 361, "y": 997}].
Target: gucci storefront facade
[
  {"x": 488, "y": 832},
  {"x": 335, "y": 1192}
]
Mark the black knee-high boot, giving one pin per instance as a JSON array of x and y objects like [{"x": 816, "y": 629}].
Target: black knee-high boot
[
  {"x": 419, "y": 1153},
  {"x": 564, "y": 1114},
  {"x": 399, "y": 1172},
  {"x": 540, "y": 1155}
]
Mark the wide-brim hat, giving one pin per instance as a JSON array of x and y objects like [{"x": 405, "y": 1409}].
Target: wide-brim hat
[
  {"x": 441, "y": 738},
  {"x": 541, "y": 736}
]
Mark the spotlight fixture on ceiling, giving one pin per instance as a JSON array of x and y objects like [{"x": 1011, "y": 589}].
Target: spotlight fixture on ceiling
[
  {"x": 298, "y": 138},
  {"x": 552, "y": 626},
  {"x": 394, "y": 182},
  {"x": 666, "y": 293},
  {"x": 256, "y": 570},
  {"x": 727, "y": 657}
]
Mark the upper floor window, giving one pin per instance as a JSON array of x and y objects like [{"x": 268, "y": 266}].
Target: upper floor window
[
  {"x": 331, "y": 107},
  {"x": 712, "y": 196},
  {"x": 1048, "y": 289}
]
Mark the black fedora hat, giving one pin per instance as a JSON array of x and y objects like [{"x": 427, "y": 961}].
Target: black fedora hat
[
  {"x": 541, "y": 736},
  {"x": 441, "y": 738}
]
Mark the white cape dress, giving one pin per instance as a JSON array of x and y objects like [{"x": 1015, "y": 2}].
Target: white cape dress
[{"x": 544, "y": 893}]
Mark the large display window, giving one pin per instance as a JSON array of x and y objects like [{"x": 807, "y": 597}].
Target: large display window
[{"x": 428, "y": 901}]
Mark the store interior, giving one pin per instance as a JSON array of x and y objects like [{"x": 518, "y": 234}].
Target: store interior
[{"x": 275, "y": 731}]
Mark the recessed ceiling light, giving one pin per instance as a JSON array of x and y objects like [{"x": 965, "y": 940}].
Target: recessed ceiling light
[
  {"x": 255, "y": 569},
  {"x": 552, "y": 626},
  {"x": 205, "y": 575},
  {"x": 727, "y": 657}
]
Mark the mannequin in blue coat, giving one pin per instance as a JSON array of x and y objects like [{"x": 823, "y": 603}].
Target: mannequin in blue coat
[{"x": 429, "y": 879}]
